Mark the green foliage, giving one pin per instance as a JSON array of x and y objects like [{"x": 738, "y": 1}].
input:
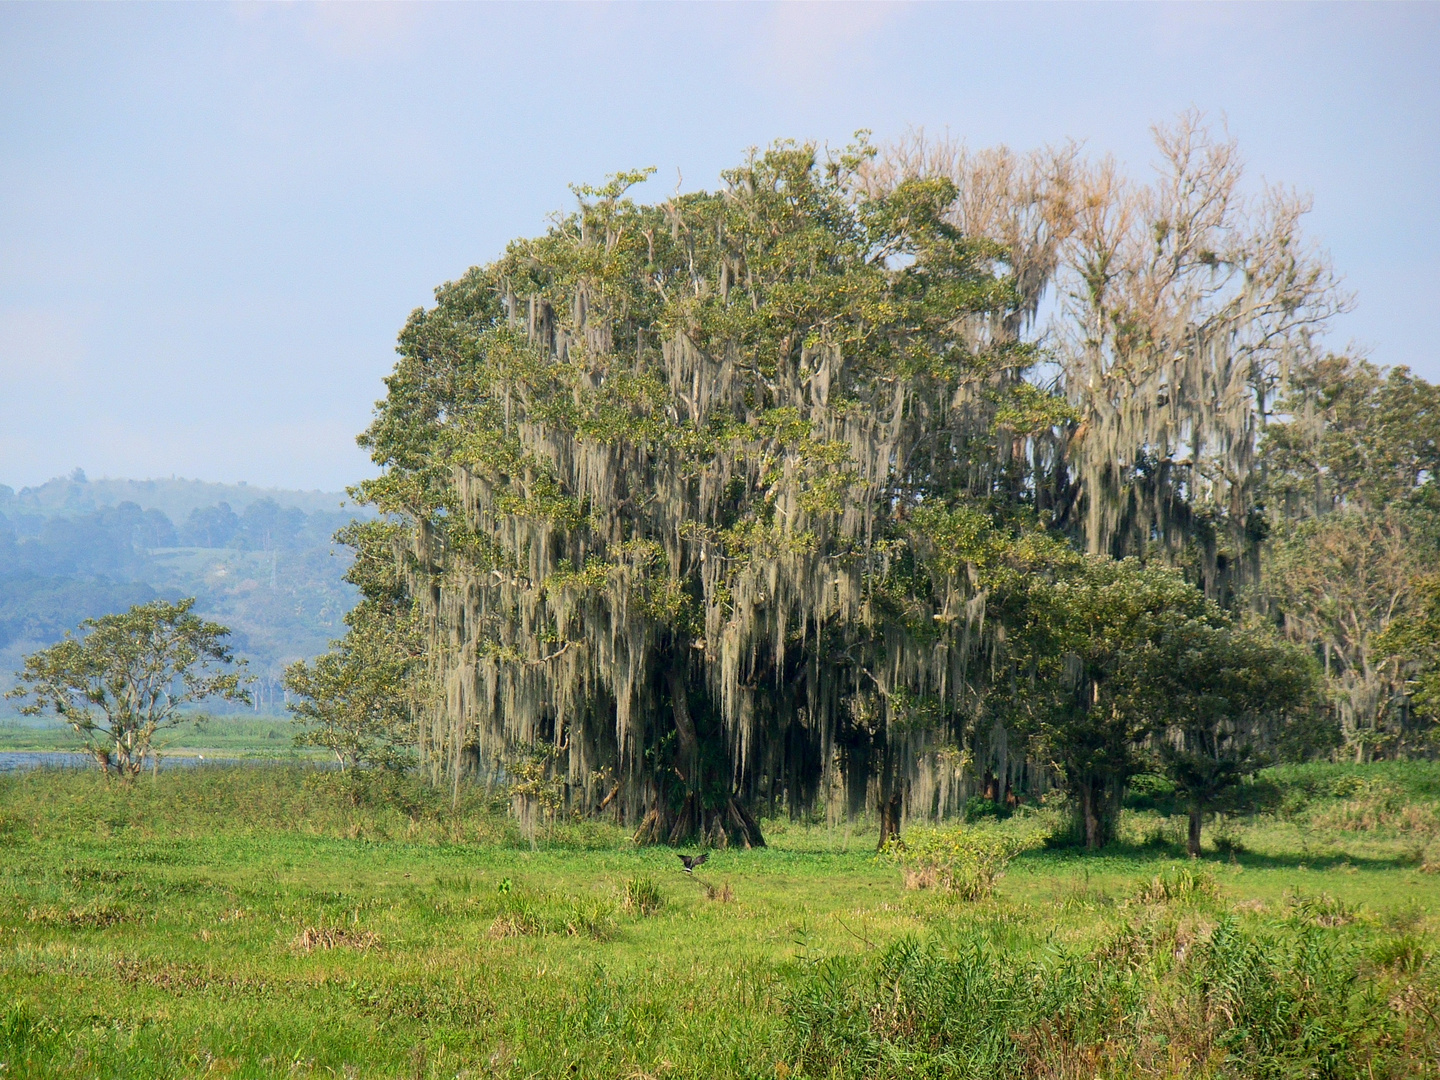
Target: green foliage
[
  {"x": 965, "y": 862},
  {"x": 129, "y": 677},
  {"x": 360, "y": 700},
  {"x": 1357, "y": 436},
  {"x": 1080, "y": 634},
  {"x": 1238, "y": 1002},
  {"x": 1353, "y": 474},
  {"x": 1228, "y": 700},
  {"x": 1411, "y": 642}
]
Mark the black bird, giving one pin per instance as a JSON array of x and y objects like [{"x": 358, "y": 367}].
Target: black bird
[{"x": 692, "y": 861}]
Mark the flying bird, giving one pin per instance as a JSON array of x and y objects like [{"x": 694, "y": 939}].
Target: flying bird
[{"x": 692, "y": 861}]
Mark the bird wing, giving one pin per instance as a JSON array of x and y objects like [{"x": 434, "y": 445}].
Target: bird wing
[{"x": 701, "y": 858}]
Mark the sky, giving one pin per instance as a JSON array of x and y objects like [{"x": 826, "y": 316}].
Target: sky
[{"x": 215, "y": 218}]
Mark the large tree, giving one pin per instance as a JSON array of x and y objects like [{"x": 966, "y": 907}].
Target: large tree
[
  {"x": 665, "y": 466},
  {"x": 1356, "y": 519}
]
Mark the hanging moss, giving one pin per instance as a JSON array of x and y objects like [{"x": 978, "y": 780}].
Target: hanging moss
[
  {"x": 676, "y": 473},
  {"x": 702, "y": 492}
]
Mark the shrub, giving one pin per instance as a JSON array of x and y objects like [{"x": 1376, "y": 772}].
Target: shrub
[
  {"x": 1226, "y": 838},
  {"x": 977, "y": 807},
  {"x": 1178, "y": 884},
  {"x": 966, "y": 862},
  {"x": 1320, "y": 910},
  {"x": 1402, "y": 953}
]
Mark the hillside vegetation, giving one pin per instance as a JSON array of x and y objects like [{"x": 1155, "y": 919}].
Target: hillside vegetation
[{"x": 264, "y": 564}]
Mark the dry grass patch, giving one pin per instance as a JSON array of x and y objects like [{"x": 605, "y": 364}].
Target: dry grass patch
[{"x": 334, "y": 937}]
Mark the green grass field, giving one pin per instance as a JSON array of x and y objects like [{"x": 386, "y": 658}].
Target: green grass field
[
  {"x": 270, "y": 921},
  {"x": 231, "y": 736}
]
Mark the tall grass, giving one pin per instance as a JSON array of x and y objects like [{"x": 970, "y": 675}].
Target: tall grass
[{"x": 1228, "y": 1001}]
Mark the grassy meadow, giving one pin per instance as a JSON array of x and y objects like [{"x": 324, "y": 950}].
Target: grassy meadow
[
  {"x": 230, "y": 736},
  {"x": 278, "y": 921}
]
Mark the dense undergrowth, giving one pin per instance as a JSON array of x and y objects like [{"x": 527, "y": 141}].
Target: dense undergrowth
[{"x": 283, "y": 922}]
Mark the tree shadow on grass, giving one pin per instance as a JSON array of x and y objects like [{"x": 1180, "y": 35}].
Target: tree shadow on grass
[{"x": 1149, "y": 854}]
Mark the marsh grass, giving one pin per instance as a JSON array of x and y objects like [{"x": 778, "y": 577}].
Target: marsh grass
[
  {"x": 227, "y": 736},
  {"x": 643, "y": 896},
  {"x": 261, "y": 922}
]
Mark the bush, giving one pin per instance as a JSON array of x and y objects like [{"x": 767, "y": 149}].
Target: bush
[
  {"x": 978, "y": 807},
  {"x": 1372, "y": 804},
  {"x": 965, "y": 862},
  {"x": 1178, "y": 884}
]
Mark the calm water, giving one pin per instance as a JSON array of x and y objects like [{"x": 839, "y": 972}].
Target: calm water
[{"x": 17, "y": 760}]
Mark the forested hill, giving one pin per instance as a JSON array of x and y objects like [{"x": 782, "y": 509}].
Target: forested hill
[
  {"x": 261, "y": 561},
  {"x": 175, "y": 497}
]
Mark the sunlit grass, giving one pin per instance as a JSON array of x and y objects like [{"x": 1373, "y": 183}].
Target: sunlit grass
[
  {"x": 235, "y": 736},
  {"x": 269, "y": 921}
]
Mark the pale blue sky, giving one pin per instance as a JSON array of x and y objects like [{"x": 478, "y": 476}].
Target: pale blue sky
[{"x": 214, "y": 218}]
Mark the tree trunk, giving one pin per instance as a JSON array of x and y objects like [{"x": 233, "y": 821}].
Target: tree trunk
[
  {"x": 719, "y": 826},
  {"x": 1193, "y": 845},
  {"x": 688, "y": 740},
  {"x": 889, "y": 818},
  {"x": 1090, "y": 817}
]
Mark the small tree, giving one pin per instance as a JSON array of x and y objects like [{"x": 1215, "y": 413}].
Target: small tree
[
  {"x": 1074, "y": 627},
  {"x": 1227, "y": 701},
  {"x": 355, "y": 701},
  {"x": 129, "y": 677},
  {"x": 358, "y": 700}
]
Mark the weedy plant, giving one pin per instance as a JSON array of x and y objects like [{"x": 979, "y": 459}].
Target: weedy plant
[
  {"x": 967, "y": 863},
  {"x": 642, "y": 896},
  {"x": 721, "y": 893},
  {"x": 1322, "y": 909},
  {"x": 1237, "y": 1003},
  {"x": 1178, "y": 884}
]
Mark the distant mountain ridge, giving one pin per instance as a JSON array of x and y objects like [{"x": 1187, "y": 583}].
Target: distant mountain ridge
[
  {"x": 260, "y": 560},
  {"x": 176, "y": 497}
]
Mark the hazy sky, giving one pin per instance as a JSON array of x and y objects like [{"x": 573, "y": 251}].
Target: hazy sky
[{"x": 214, "y": 219}]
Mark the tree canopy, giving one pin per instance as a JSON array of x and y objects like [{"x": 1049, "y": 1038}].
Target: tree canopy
[
  {"x": 782, "y": 495},
  {"x": 129, "y": 677}
]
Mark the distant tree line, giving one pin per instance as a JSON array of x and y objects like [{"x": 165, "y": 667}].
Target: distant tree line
[
  {"x": 112, "y": 539},
  {"x": 281, "y": 591}
]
